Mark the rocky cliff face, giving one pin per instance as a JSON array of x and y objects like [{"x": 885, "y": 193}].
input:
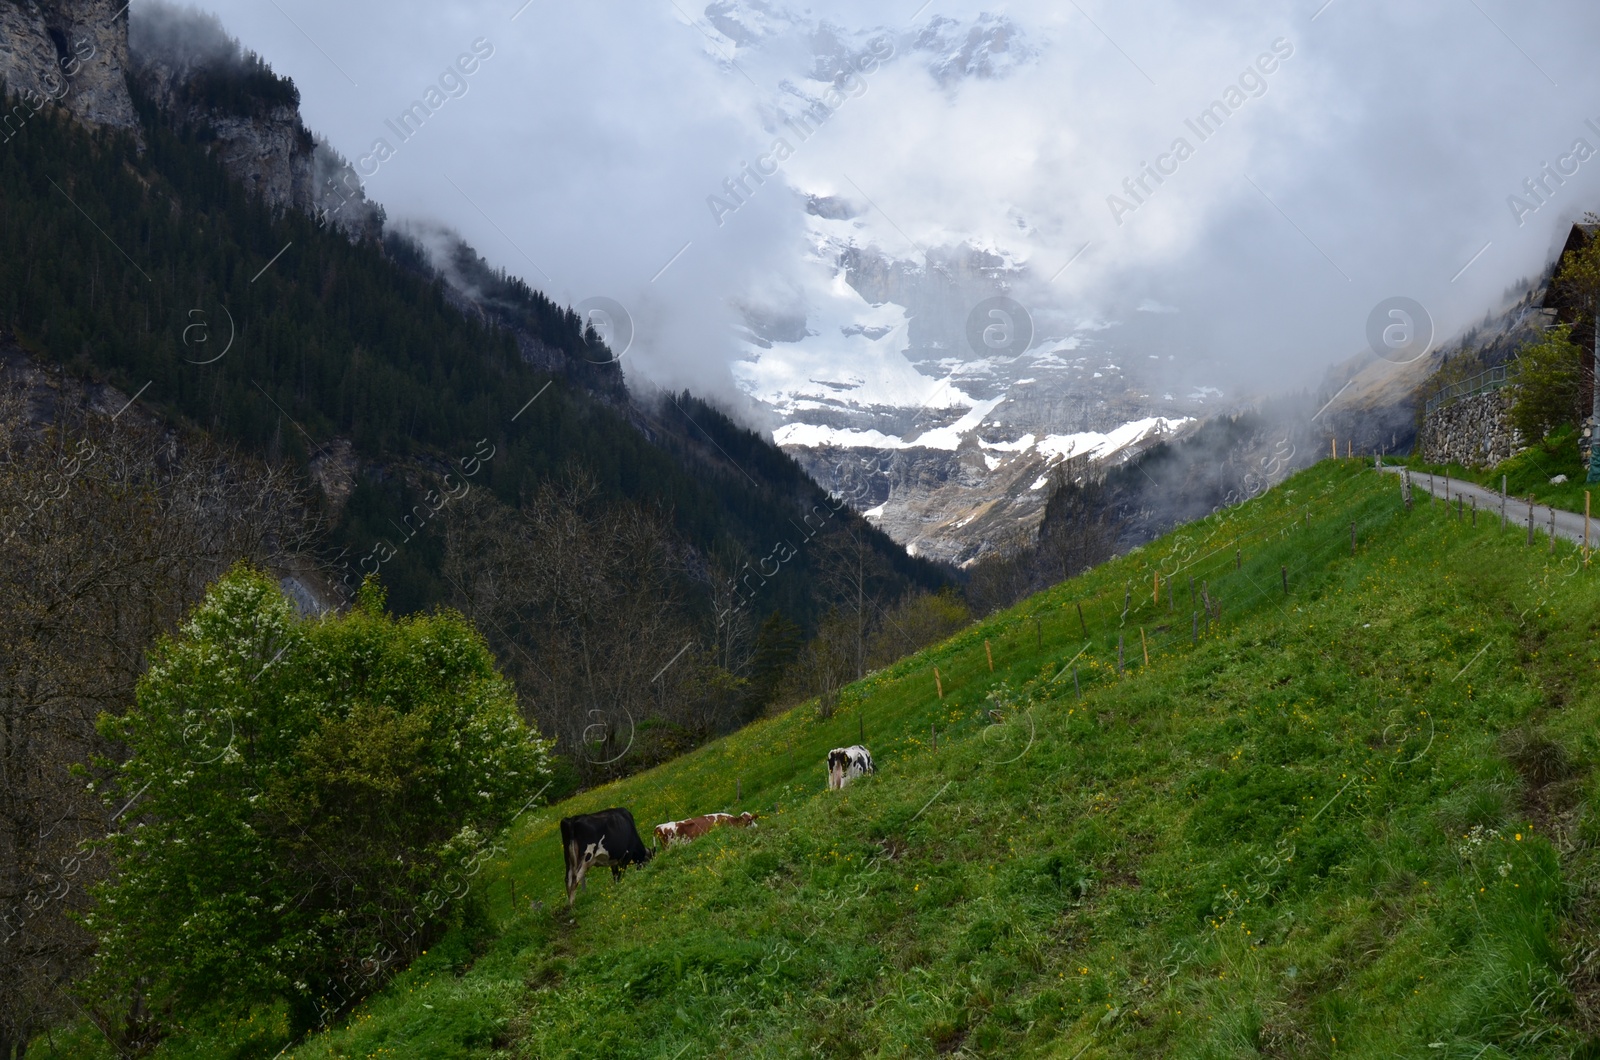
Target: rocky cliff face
[
  {"x": 81, "y": 54},
  {"x": 201, "y": 78},
  {"x": 71, "y": 52}
]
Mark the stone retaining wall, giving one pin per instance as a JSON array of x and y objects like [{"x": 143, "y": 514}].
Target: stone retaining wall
[{"x": 1475, "y": 431}]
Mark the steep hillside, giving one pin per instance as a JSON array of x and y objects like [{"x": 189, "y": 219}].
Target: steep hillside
[
  {"x": 1346, "y": 813},
  {"x": 155, "y": 270},
  {"x": 1375, "y": 402},
  {"x": 206, "y": 85}
]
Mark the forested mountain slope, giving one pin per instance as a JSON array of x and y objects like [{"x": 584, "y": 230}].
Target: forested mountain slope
[{"x": 142, "y": 268}]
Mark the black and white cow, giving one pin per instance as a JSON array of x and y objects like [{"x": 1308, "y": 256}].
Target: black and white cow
[
  {"x": 847, "y": 763},
  {"x": 605, "y": 838}
]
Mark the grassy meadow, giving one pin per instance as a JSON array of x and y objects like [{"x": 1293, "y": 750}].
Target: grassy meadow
[{"x": 1348, "y": 819}]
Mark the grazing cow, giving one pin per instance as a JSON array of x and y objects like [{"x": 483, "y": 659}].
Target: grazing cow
[
  {"x": 683, "y": 831},
  {"x": 606, "y": 838},
  {"x": 847, "y": 763}
]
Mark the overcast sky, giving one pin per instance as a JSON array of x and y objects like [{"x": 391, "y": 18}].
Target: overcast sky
[{"x": 1377, "y": 158}]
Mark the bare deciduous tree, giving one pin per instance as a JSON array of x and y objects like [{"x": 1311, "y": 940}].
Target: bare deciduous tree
[
  {"x": 855, "y": 575},
  {"x": 582, "y": 602},
  {"x": 828, "y": 662},
  {"x": 734, "y": 625},
  {"x": 1078, "y": 531},
  {"x": 916, "y": 621}
]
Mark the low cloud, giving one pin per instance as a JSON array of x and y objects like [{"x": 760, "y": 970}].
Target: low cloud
[{"x": 1380, "y": 159}]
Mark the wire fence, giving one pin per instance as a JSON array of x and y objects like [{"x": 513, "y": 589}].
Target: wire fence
[
  {"x": 1215, "y": 573},
  {"x": 1482, "y": 383},
  {"x": 1222, "y": 571}
]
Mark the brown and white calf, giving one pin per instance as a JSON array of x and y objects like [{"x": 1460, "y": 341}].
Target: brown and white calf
[{"x": 670, "y": 832}]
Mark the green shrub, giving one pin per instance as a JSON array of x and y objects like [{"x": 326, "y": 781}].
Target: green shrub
[
  {"x": 311, "y": 794},
  {"x": 1545, "y": 395}
]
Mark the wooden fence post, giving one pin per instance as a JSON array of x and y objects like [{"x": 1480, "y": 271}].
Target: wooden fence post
[
  {"x": 1335, "y": 443},
  {"x": 1502, "y": 502},
  {"x": 988, "y": 653},
  {"x": 1145, "y": 646},
  {"x": 1530, "y": 522},
  {"x": 1194, "y": 627},
  {"x": 1081, "y": 622},
  {"x": 1405, "y": 487},
  {"x": 1552, "y": 530},
  {"x": 1156, "y": 594},
  {"x": 1585, "y": 528},
  {"x": 1119, "y": 653},
  {"x": 1238, "y": 559},
  {"x": 1285, "y": 571},
  {"x": 938, "y": 684},
  {"x": 1474, "y": 509}
]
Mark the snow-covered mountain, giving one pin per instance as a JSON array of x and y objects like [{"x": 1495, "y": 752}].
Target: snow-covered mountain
[
  {"x": 911, "y": 374},
  {"x": 945, "y": 430}
]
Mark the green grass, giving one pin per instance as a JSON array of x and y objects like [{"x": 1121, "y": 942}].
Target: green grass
[
  {"x": 1352, "y": 820},
  {"x": 1528, "y": 474}
]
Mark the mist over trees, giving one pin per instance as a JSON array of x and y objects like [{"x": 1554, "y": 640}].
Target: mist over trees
[
  {"x": 363, "y": 344},
  {"x": 1096, "y": 512}
]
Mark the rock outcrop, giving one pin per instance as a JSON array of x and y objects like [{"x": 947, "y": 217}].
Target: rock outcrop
[
  {"x": 201, "y": 78},
  {"x": 73, "y": 53},
  {"x": 81, "y": 54}
]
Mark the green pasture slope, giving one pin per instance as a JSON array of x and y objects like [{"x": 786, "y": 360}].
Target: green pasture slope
[{"x": 1353, "y": 819}]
